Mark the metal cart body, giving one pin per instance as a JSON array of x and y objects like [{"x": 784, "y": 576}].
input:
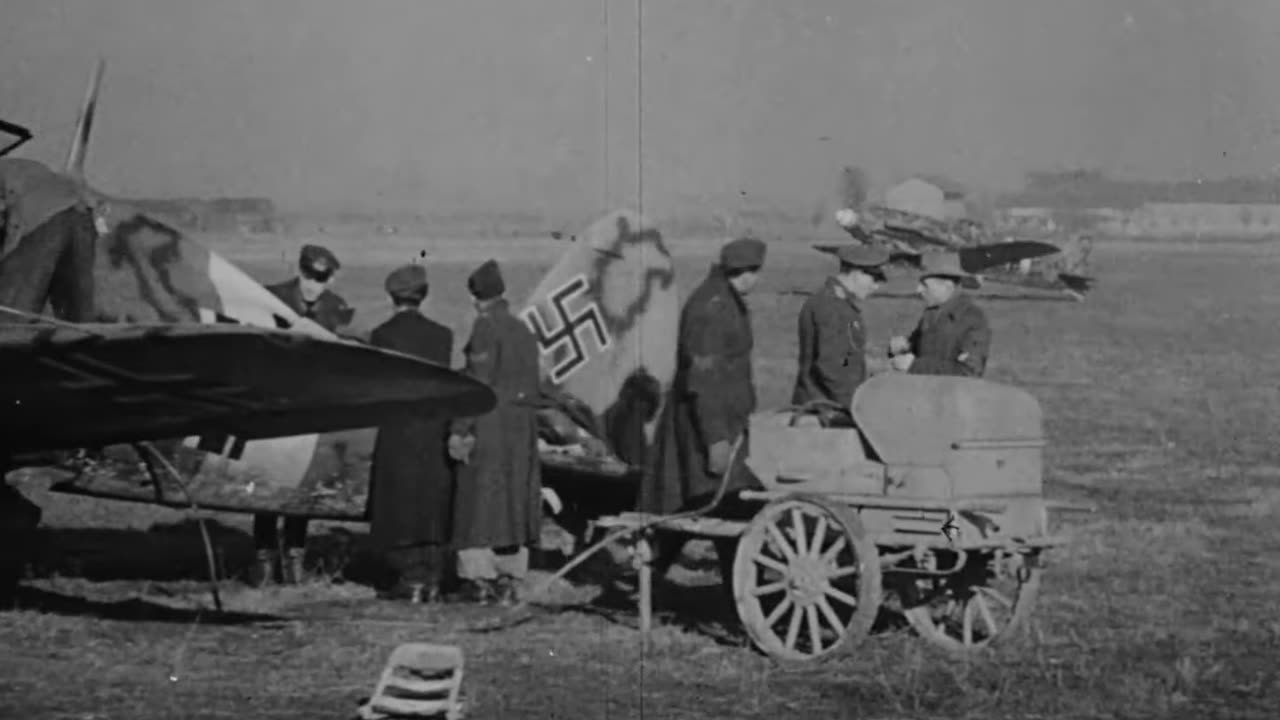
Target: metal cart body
[{"x": 929, "y": 502}]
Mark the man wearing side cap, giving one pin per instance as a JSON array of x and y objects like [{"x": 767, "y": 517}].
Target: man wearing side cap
[
  {"x": 308, "y": 294},
  {"x": 410, "y": 481},
  {"x": 712, "y": 396},
  {"x": 832, "y": 334},
  {"x": 953, "y": 336},
  {"x": 498, "y": 497}
]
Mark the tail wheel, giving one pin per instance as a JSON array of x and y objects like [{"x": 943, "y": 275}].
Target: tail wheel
[
  {"x": 806, "y": 579},
  {"x": 965, "y": 616}
]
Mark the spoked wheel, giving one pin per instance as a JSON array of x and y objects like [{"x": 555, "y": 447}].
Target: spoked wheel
[
  {"x": 806, "y": 579},
  {"x": 967, "y": 614}
]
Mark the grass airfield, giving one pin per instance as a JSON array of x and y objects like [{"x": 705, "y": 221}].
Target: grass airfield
[{"x": 1161, "y": 405}]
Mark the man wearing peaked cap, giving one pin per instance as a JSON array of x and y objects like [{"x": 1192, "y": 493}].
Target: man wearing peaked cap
[
  {"x": 497, "y": 511},
  {"x": 953, "y": 336},
  {"x": 713, "y": 395},
  {"x": 317, "y": 261},
  {"x": 832, "y": 333},
  {"x": 308, "y": 294},
  {"x": 410, "y": 480}
]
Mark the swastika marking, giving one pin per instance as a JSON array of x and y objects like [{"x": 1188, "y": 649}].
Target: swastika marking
[{"x": 565, "y": 331}]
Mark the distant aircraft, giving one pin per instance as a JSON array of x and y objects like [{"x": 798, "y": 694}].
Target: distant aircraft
[{"x": 909, "y": 227}]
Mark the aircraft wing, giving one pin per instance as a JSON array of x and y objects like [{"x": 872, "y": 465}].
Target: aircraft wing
[{"x": 89, "y": 385}]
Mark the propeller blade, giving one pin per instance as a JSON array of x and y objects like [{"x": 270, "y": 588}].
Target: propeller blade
[{"x": 84, "y": 124}]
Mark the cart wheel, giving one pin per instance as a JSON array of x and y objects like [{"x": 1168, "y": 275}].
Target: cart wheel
[
  {"x": 971, "y": 616},
  {"x": 805, "y": 564}
]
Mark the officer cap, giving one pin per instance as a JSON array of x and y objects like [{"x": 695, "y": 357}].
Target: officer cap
[
  {"x": 745, "y": 252},
  {"x": 317, "y": 262},
  {"x": 408, "y": 282},
  {"x": 486, "y": 282},
  {"x": 862, "y": 256}
]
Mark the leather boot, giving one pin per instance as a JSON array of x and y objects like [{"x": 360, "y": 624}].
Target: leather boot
[
  {"x": 479, "y": 592},
  {"x": 263, "y": 572},
  {"x": 505, "y": 589},
  {"x": 294, "y": 570}
]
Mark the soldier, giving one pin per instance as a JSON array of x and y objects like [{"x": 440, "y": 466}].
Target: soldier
[
  {"x": 308, "y": 293},
  {"x": 833, "y": 338},
  {"x": 309, "y": 296},
  {"x": 712, "y": 397},
  {"x": 411, "y": 482},
  {"x": 952, "y": 337},
  {"x": 498, "y": 499}
]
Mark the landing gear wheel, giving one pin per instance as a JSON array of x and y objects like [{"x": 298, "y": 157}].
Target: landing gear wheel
[
  {"x": 967, "y": 617},
  {"x": 806, "y": 563}
]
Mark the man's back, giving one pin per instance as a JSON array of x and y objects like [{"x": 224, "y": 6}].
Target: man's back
[
  {"x": 518, "y": 370},
  {"x": 415, "y": 334}
]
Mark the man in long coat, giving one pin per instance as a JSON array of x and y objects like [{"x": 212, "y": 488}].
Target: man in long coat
[
  {"x": 411, "y": 482},
  {"x": 498, "y": 500},
  {"x": 832, "y": 362},
  {"x": 953, "y": 336},
  {"x": 309, "y": 296},
  {"x": 711, "y": 400}
]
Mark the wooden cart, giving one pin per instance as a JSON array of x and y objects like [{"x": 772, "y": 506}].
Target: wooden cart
[{"x": 930, "y": 498}]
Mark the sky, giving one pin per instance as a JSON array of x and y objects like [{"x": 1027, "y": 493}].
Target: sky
[{"x": 584, "y": 105}]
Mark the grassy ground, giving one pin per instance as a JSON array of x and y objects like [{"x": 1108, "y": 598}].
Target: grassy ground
[{"x": 1160, "y": 402}]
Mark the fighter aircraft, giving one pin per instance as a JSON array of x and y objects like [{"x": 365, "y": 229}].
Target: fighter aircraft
[
  {"x": 604, "y": 317},
  {"x": 154, "y": 338},
  {"x": 909, "y": 226}
]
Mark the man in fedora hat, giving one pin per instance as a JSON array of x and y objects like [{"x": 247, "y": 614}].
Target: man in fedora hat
[
  {"x": 308, "y": 294},
  {"x": 411, "y": 482},
  {"x": 712, "y": 397},
  {"x": 498, "y": 498},
  {"x": 833, "y": 339},
  {"x": 953, "y": 336}
]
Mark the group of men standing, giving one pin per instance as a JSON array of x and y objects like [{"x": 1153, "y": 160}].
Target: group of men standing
[
  {"x": 713, "y": 393},
  {"x": 473, "y": 485},
  {"x": 438, "y": 487}
]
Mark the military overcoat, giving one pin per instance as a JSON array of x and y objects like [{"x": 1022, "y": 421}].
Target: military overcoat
[
  {"x": 833, "y": 341},
  {"x": 410, "y": 480},
  {"x": 951, "y": 339},
  {"x": 498, "y": 501},
  {"x": 711, "y": 399}
]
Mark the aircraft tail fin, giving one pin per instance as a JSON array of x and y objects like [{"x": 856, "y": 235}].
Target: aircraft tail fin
[
  {"x": 606, "y": 318},
  {"x": 84, "y": 125}
]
